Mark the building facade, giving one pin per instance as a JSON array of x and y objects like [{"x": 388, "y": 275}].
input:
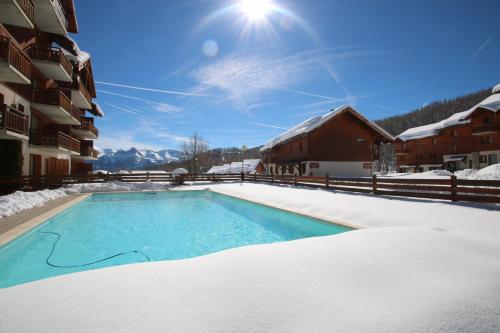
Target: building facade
[
  {"x": 466, "y": 140},
  {"x": 339, "y": 143},
  {"x": 46, "y": 91}
]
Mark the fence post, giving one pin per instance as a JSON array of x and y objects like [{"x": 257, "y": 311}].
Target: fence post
[
  {"x": 213, "y": 177},
  {"x": 242, "y": 176},
  {"x": 374, "y": 184},
  {"x": 255, "y": 177},
  {"x": 327, "y": 180},
  {"x": 106, "y": 179},
  {"x": 295, "y": 181},
  {"x": 454, "y": 188},
  {"x": 147, "y": 176},
  {"x": 272, "y": 178}
]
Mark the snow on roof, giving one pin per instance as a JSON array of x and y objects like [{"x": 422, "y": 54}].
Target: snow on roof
[
  {"x": 491, "y": 103},
  {"x": 312, "y": 123},
  {"x": 249, "y": 166},
  {"x": 81, "y": 57},
  {"x": 496, "y": 89},
  {"x": 97, "y": 110}
]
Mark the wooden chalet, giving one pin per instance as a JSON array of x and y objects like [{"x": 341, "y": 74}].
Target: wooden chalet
[
  {"x": 46, "y": 91},
  {"x": 466, "y": 140},
  {"x": 339, "y": 143}
]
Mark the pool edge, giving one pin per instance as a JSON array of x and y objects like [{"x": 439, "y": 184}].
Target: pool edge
[
  {"x": 287, "y": 209},
  {"x": 31, "y": 224}
]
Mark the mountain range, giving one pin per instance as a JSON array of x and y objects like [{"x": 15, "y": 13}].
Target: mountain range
[{"x": 135, "y": 159}]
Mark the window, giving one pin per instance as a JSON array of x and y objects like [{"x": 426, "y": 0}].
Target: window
[
  {"x": 283, "y": 169},
  {"x": 484, "y": 140},
  {"x": 492, "y": 159},
  {"x": 434, "y": 141},
  {"x": 302, "y": 169},
  {"x": 483, "y": 159},
  {"x": 290, "y": 169}
]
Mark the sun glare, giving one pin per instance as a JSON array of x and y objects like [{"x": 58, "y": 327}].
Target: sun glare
[{"x": 256, "y": 9}]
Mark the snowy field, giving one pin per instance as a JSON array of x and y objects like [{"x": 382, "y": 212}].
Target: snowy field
[{"x": 416, "y": 266}]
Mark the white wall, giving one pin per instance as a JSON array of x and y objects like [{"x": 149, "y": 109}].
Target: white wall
[{"x": 339, "y": 169}]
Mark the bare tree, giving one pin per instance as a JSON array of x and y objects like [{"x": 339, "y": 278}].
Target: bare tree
[{"x": 194, "y": 148}]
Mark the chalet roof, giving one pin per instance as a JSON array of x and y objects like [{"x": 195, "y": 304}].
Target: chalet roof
[
  {"x": 96, "y": 110},
  {"x": 491, "y": 103},
  {"x": 248, "y": 166},
  {"x": 313, "y": 123},
  {"x": 496, "y": 89}
]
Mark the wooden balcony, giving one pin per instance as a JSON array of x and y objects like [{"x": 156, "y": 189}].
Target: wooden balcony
[
  {"x": 56, "y": 105},
  {"x": 52, "y": 63},
  {"x": 80, "y": 96},
  {"x": 88, "y": 153},
  {"x": 485, "y": 128},
  {"x": 20, "y": 13},
  {"x": 54, "y": 141},
  {"x": 15, "y": 65},
  {"x": 13, "y": 124},
  {"x": 86, "y": 130}
]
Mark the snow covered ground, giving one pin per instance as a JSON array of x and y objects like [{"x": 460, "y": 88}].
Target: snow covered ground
[
  {"x": 17, "y": 202},
  {"x": 416, "y": 266},
  {"x": 491, "y": 172}
]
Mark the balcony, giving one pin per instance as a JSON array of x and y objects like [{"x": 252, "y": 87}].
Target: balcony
[
  {"x": 56, "y": 105},
  {"x": 87, "y": 153},
  {"x": 20, "y": 13},
  {"x": 13, "y": 124},
  {"x": 54, "y": 142},
  {"x": 51, "y": 17},
  {"x": 485, "y": 128},
  {"x": 15, "y": 66},
  {"x": 52, "y": 63},
  {"x": 80, "y": 96},
  {"x": 86, "y": 130}
]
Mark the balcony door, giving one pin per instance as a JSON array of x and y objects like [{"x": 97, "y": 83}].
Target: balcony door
[
  {"x": 56, "y": 167},
  {"x": 35, "y": 165}
]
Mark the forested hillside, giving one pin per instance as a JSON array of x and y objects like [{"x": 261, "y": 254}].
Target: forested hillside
[{"x": 432, "y": 113}]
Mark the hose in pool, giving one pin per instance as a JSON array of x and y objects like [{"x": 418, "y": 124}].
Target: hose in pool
[{"x": 89, "y": 263}]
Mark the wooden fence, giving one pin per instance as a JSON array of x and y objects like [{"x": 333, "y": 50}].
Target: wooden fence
[{"x": 452, "y": 189}]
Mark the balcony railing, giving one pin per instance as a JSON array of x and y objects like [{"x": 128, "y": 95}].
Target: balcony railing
[
  {"x": 486, "y": 128},
  {"x": 54, "y": 139},
  {"x": 12, "y": 120},
  {"x": 89, "y": 151},
  {"x": 60, "y": 12},
  {"x": 51, "y": 54},
  {"x": 28, "y": 7},
  {"x": 88, "y": 125},
  {"x": 57, "y": 98},
  {"x": 15, "y": 56},
  {"x": 78, "y": 85}
]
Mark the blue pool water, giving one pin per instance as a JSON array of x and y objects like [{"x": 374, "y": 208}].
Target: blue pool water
[{"x": 148, "y": 226}]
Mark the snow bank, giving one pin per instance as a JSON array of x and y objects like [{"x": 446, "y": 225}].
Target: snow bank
[
  {"x": 489, "y": 173},
  {"x": 19, "y": 201},
  {"x": 248, "y": 166},
  {"x": 115, "y": 186},
  {"x": 377, "y": 280}
]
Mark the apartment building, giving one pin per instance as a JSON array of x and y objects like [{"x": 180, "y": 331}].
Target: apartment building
[
  {"x": 339, "y": 143},
  {"x": 46, "y": 91},
  {"x": 466, "y": 140}
]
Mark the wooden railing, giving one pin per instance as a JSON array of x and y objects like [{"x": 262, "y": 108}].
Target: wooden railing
[
  {"x": 87, "y": 124},
  {"x": 12, "y": 120},
  {"x": 485, "y": 128},
  {"x": 444, "y": 189},
  {"x": 54, "y": 139},
  {"x": 78, "y": 85},
  {"x": 28, "y": 7},
  {"x": 14, "y": 56},
  {"x": 51, "y": 54},
  {"x": 89, "y": 151},
  {"x": 56, "y": 97}
]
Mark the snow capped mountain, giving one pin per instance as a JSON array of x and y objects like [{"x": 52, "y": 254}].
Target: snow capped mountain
[{"x": 134, "y": 159}]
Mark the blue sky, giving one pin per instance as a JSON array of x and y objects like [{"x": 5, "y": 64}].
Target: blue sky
[{"x": 239, "y": 75}]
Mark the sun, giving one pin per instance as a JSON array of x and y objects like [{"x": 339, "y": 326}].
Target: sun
[{"x": 256, "y": 10}]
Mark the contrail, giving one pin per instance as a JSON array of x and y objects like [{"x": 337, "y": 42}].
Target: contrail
[{"x": 180, "y": 93}]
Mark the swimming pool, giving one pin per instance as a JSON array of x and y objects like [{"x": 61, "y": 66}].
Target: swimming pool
[{"x": 114, "y": 229}]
